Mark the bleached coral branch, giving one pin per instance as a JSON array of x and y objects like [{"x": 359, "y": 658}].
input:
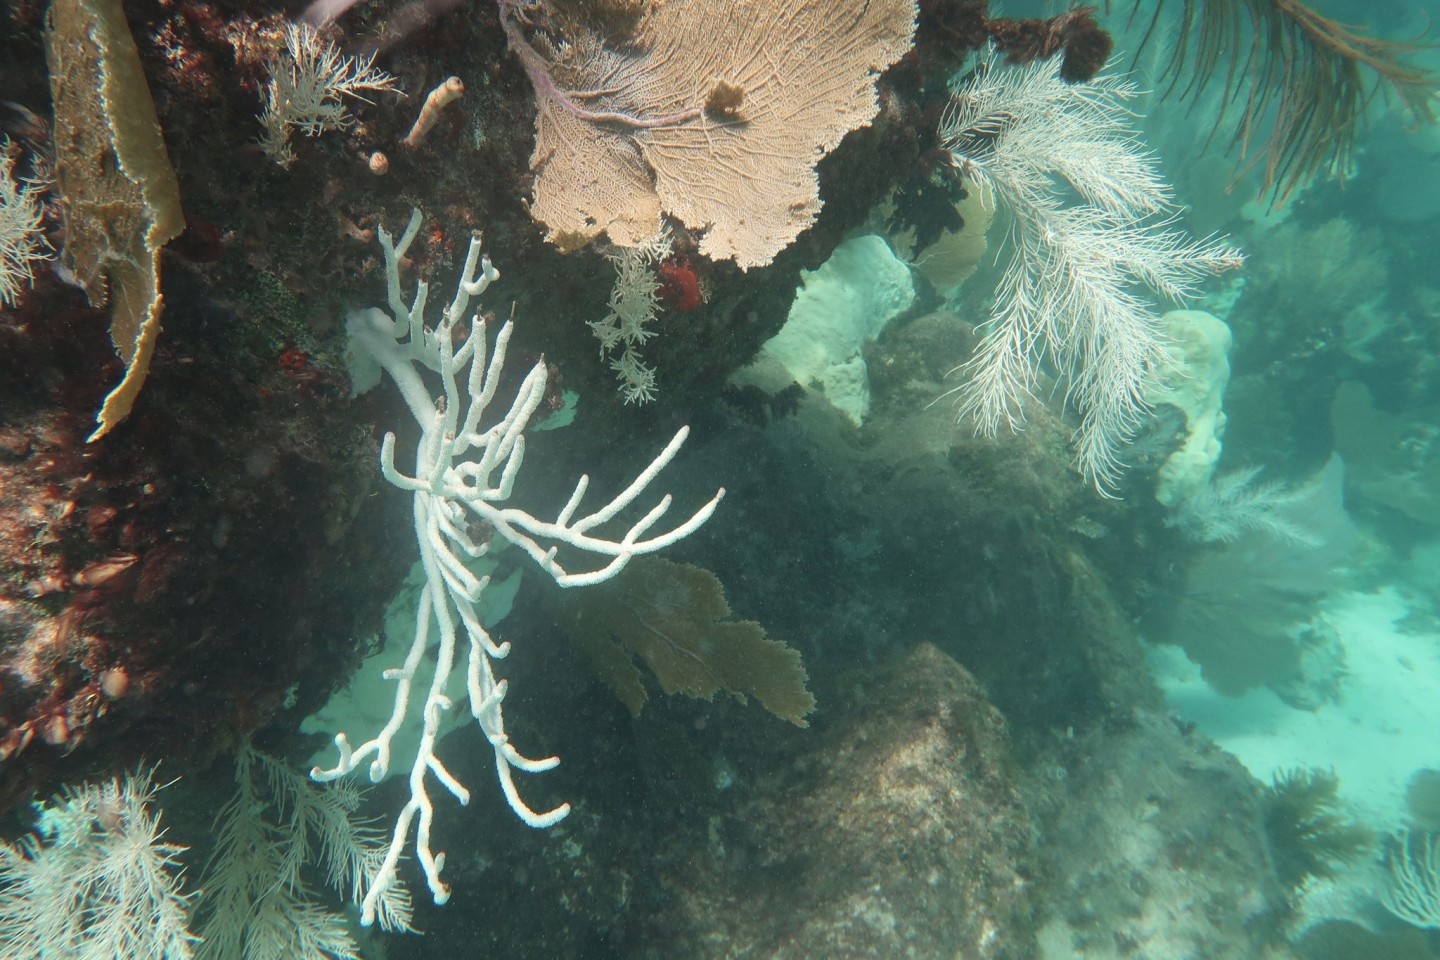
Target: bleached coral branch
[
  {"x": 466, "y": 468},
  {"x": 1077, "y": 293}
]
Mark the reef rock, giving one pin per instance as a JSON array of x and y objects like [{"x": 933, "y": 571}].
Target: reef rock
[{"x": 899, "y": 834}]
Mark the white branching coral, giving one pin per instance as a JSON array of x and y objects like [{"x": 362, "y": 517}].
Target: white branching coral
[
  {"x": 310, "y": 82},
  {"x": 22, "y": 245},
  {"x": 633, "y": 302},
  {"x": 1078, "y": 293},
  {"x": 467, "y": 464}
]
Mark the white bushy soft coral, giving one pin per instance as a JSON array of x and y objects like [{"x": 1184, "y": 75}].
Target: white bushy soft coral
[
  {"x": 1234, "y": 503},
  {"x": 99, "y": 883},
  {"x": 310, "y": 82},
  {"x": 258, "y": 902},
  {"x": 634, "y": 301},
  {"x": 1092, "y": 242},
  {"x": 22, "y": 245}
]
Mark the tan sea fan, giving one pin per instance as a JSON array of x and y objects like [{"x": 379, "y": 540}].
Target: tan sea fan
[{"x": 713, "y": 113}]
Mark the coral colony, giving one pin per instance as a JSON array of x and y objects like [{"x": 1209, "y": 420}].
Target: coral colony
[
  {"x": 465, "y": 471},
  {"x": 1074, "y": 294},
  {"x": 790, "y": 203}
]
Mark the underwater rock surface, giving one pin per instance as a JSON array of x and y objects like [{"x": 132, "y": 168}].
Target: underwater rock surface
[
  {"x": 168, "y": 587},
  {"x": 899, "y": 832},
  {"x": 1155, "y": 847}
]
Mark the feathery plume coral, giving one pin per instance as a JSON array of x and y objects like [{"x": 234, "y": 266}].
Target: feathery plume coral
[
  {"x": 1234, "y": 503},
  {"x": 309, "y": 84},
  {"x": 633, "y": 303},
  {"x": 21, "y": 243},
  {"x": 98, "y": 881},
  {"x": 257, "y": 899},
  {"x": 1076, "y": 293}
]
